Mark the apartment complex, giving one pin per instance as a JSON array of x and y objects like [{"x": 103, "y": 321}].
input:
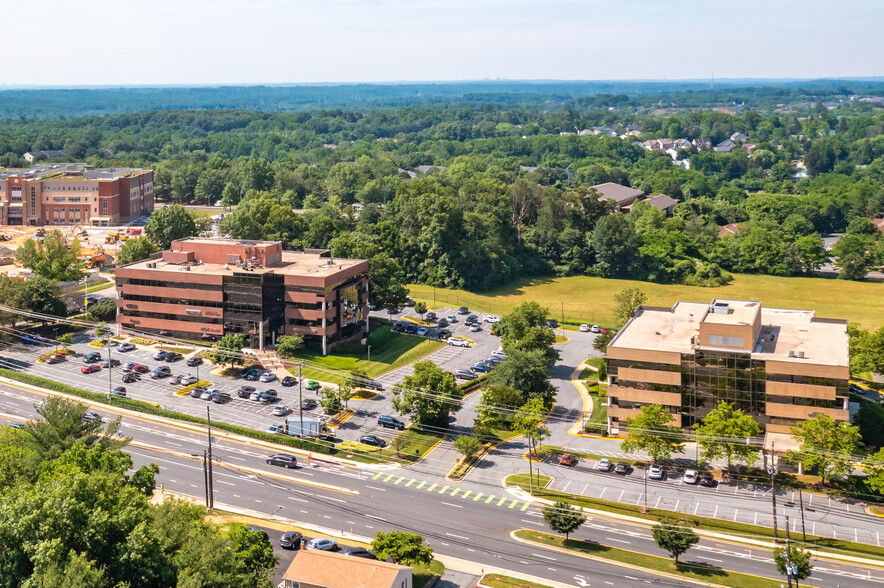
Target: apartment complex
[
  {"x": 781, "y": 366},
  {"x": 74, "y": 194},
  {"x": 206, "y": 288}
]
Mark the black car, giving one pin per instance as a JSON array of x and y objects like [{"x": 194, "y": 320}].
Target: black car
[
  {"x": 252, "y": 377},
  {"x": 194, "y": 361},
  {"x": 172, "y": 357},
  {"x": 291, "y": 540},
  {"x": 197, "y": 392},
  {"x": 389, "y": 422},
  {"x": 430, "y": 316},
  {"x": 481, "y": 368},
  {"x": 91, "y": 357},
  {"x": 160, "y": 355},
  {"x": 393, "y": 310},
  {"x": 289, "y": 381},
  {"x": 444, "y": 334},
  {"x": 245, "y": 391},
  {"x": 411, "y": 329},
  {"x": 622, "y": 467},
  {"x": 552, "y": 323},
  {"x": 282, "y": 459},
  {"x": 268, "y": 397},
  {"x": 473, "y": 318},
  {"x": 131, "y": 378},
  {"x": 372, "y": 440},
  {"x": 443, "y": 322},
  {"x": 359, "y": 552},
  {"x": 373, "y": 385},
  {"x": 106, "y": 363},
  {"x": 221, "y": 398},
  {"x": 465, "y": 375},
  {"x": 409, "y": 302},
  {"x": 398, "y": 327},
  {"x": 707, "y": 479},
  {"x": 308, "y": 404},
  {"x": 119, "y": 391},
  {"x": 856, "y": 389},
  {"x": 463, "y": 310}
]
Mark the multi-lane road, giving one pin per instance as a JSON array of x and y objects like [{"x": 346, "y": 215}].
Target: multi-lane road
[{"x": 471, "y": 521}]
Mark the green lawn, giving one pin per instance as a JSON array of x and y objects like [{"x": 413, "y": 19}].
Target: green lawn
[
  {"x": 598, "y": 422},
  {"x": 498, "y": 581},
  {"x": 423, "y": 574},
  {"x": 698, "y": 572},
  {"x": 335, "y": 367},
  {"x": 591, "y": 300},
  {"x": 521, "y": 480},
  {"x": 417, "y": 444}
]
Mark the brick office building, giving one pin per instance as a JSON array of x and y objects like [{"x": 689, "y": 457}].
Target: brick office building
[
  {"x": 74, "y": 194},
  {"x": 781, "y": 366},
  {"x": 205, "y": 288}
]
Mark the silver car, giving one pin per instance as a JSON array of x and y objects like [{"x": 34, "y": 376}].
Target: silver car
[{"x": 655, "y": 472}]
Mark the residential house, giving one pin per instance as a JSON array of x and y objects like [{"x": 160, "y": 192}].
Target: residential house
[
  {"x": 879, "y": 222},
  {"x": 32, "y": 156},
  {"x": 623, "y": 197},
  {"x": 673, "y": 153},
  {"x": 323, "y": 569},
  {"x": 528, "y": 168},
  {"x": 664, "y": 203},
  {"x": 410, "y": 174},
  {"x": 604, "y": 132},
  {"x": 702, "y": 144},
  {"x": 728, "y": 229},
  {"x": 683, "y": 163},
  {"x": 682, "y": 144},
  {"x": 725, "y": 146},
  {"x": 425, "y": 169},
  {"x": 739, "y": 138},
  {"x": 800, "y": 175},
  {"x": 585, "y": 132},
  {"x": 7, "y": 255}
]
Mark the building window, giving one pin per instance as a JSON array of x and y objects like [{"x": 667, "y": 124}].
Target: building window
[
  {"x": 104, "y": 206},
  {"x": 33, "y": 199},
  {"x": 722, "y": 341}
]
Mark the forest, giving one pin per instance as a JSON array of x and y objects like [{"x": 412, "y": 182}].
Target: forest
[{"x": 472, "y": 194}]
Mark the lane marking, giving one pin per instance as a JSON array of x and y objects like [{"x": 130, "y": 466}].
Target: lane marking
[
  {"x": 387, "y": 479},
  {"x": 467, "y": 493},
  {"x": 399, "y": 480},
  {"x": 525, "y": 506},
  {"x": 458, "y": 536},
  {"x": 477, "y": 497},
  {"x": 490, "y": 498},
  {"x": 513, "y": 503},
  {"x": 443, "y": 490},
  {"x": 456, "y": 490},
  {"x": 430, "y": 489},
  {"x": 376, "y": 488},
  {"x": 377, "y": 475},
  {"x": 454, "y": 505},
  {"x": 502, "y": 500}
]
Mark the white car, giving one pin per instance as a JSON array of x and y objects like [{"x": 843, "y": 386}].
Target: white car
[
  {"x": 491, "y": 318},
  {"x": 452, "y": 318},
  {"x": 256, "y": 395},
  {"x": 690, "y": 477},
  {"x": 499, "y": 354},
  {"x": 584, "y": 328},
  {"x": 595, "y": 329},
  {"x": 188, "y": 380},
  {"x": 281, "y": 410},
  {"x": 655, "y": 472},
  {"x": 475, "y": 327},
  {"x": 267, "y": 377},
  {"x": 457, "y": 342},
  {"x": 422, "y": 332}
]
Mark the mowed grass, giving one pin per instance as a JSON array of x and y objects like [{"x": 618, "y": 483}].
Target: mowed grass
[
  {"x": 591, "y": 300},
  {"x": 499, "y": 581},
  {"x": 416, "y": 445},
  {"x": 335, "y": 367}
]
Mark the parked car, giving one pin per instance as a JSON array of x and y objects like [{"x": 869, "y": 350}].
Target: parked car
[
  {"x": 595, "y": 329},
  {"x": 463, "y": 310},
  {"x": 422, "y": 331},
  {"x": 398, "y": 326},
  {"x": 655, "y": 472},
  {"x": 119, "y": 391},
  {"x": 124, "y": 347},
  {"x": 194, "y": 361},
  {"x": 622, "y": 467},
  {"x": 499, "y": 354},
  {"x": 451, "y": 319},
  {"x": 322, "y": 544},
  {"x": 389, "y": 422},
  {"x": 267, "y": 377},
  {"x": 430, "y": 316},
  {"x": 91, "y": 357},
  {"x": 256, "y": 395},
  {"x": 160, "y": 355},
  {"x": 409, "y": 302},
  {"x": 584, "y": 328},
  {"x": 91, "y": 416},
  {"x": 313, "y": 385},
  {"x": 373, "y": 385},
  {"x": 105, "y": 363},
  {"x": 457, "y": 342},
  {"x": 856, "y": 389},
  {"x": 393, "y": 310},
  {"x": 308, "y": 404},
  {"x": 90, "y": 369},
  {"x": 197, "y": 392},
  {"x": 55, "y": 359},
  {"x": 209, "y": 394},
  {"x": 289, "y": 381},
  {"x": 411, "y": 328},
  {"x": 131, "y": 378},
  {"x": 690, "y": 477},
  {"x": 442, "y": 322},
  {"x": 605, "y": 465},
  {"x": 245, "y": 391},
  {"x": 221, "y": 398},
  {"x": 173, "y": 357},
  {"x": 707, "y": 479},
  {"x": 175, "y": 379},
  {"x": 473, "y": 318},
  {"x": 552, "y": 324},
  {"x": 161, "y": 372},
  {"x": 443, "y": 334},
  {"x": 475, "y": 328},
  {"x": 276, "y": 429},
  {"x": 268, "y": 397},
  {"x": 372, "y": 440},
  {"x": 188, "y": 380},
  {"x": 491, "y": 318},
  {"x": 291, "y": 540},
  {"x": 481, "y": 368},
  {"x": 359, "y": 552},
  {"x": 493, "y": 361},
  {"x": 567, "y": 459},
  {"x": 282, "y": 459},
  {"x": 140, "y": 368},
  {"x": 465, "y": 375}
]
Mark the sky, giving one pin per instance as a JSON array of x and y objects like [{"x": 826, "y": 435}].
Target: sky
[{"x": 154, "y": 42}]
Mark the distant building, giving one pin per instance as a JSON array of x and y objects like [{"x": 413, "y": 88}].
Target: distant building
[
  {"x": 663, "y": 202},
  {"x": 425, "y": 169},
  {"x": 728, "y": 229},
  {"x": 528, "y": 168},
  {"x": 74, "y": 194},
  {"x": 32, "y": 156},
  {"x": 739, "y": 138},
  {"x": 725, "y": 146},
  {"x": 879, "y": 222},
  {"x": 622, "y": 196},
  {"x": 702, "y": 144},
  {"x": 7, "y": 255},
  {"x": 323, "y": 569}
]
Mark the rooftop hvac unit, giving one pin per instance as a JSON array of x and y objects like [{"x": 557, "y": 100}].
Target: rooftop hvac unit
[
  {"x": 791, "y": 353},
  {"x": 800, "y": 355},
  {"x": 185, "y": 268}
]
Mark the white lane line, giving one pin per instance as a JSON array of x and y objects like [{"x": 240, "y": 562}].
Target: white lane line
[
  {"x": 376, "y": 488},
  {"x": 531, "y": 522},
  {"x": 620, "y": 541},
  {"x": 335, "y": 499},
  {"x": 374, "y": 517},
  {"x": 454, "y": 505},
  {"x": 223, "y": 482},
  {"x": 298, "y": 499},
  {"x": 458, "y": 536},
  {"x": 544, "y": 557}
]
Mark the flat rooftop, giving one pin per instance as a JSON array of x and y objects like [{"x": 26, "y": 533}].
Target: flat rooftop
[
  {"x": 69, "y": 171},
  {"x": 823, "y": 341},
  {"x": 294, "y": 263}
]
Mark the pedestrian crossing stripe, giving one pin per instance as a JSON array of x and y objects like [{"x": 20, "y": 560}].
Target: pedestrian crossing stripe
[
  {"x": 467, "y": 493},
  {"x": 430, "y": 489},
  {"x": 490, "y": 498},
  {"x": 399, "y": 480},
  {"x": 443, "y": 490},
  {"x": 387, "y": 479},
  {"x": 525, "y": 507},
  {"x": 421, "y": 485},
  {"x": 456, "y": 490},
  {"x": 412, "y": 481},
  {"x": 513, "y": 503},
  {"x": 478, "y": 496},
  {"x": 378, "y": 475},
  {"x": 502, "y": 500}
]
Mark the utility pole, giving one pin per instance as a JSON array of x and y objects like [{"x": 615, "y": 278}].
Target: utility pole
[
  {"x": 369, "y": 362},
  {"x": 801, "y": 504},
  {"x": 110, "y": 366},
  {"x": 789, "y": 569},
  {"x": 211, "y": 490},
  {"x": 206, "y": 476},
  {"x": 300, "y": 399},
  {"x": 530, "y": 469},
  {"x": 645, "y": 509},
  {"x": 773, "y": 490}
]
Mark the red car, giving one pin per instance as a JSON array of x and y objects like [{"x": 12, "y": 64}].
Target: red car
[
  {"x": 55, "y": 359},
  {"x": 90, "y": 369},
  {"x": 140, "y": 368}
]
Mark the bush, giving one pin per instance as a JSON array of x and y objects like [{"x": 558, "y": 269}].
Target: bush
[
  {"x": 380, "y": 336},
  {"x": 603, "y": 371},
  {"x": 103, "y": 310}
]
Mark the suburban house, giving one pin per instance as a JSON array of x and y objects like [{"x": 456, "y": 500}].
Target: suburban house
[
  {"x": 323, "y": 569},
  {"x": 725, "y": 146},
  {"x": 728, "y": 229},
  {"x": 425, "y": 169},
  {"x": 7, "y": 255},
  {"x": 739, "y": 138},
  {"x": 624, "y": 198},
  {"x": 32, "y": 156},
  {"x": 702, "y": 144}
]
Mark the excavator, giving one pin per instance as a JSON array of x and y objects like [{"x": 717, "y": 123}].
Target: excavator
[{"x": 115, "y": 237}]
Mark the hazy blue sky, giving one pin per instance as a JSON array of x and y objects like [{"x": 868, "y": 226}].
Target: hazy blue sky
[{"x": 285, "y": 41}]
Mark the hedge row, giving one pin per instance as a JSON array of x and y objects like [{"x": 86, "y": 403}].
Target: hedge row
[
  {"x": 472, "y": 385},
  {"x": 147, "y": 408}
]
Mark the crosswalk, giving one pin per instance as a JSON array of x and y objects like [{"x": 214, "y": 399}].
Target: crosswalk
[{"x": 507, "y": 502}]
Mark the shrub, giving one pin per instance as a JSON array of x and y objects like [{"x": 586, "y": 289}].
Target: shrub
[{"x": 380, "y": 336}]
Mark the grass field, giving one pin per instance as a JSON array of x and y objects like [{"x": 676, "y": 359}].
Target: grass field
[
  {"x": 401, "y": 350},
  {"x": 498, "y": 581},
  {"x": 696, "y": 572},
  {"x": 591, "y": 300}
]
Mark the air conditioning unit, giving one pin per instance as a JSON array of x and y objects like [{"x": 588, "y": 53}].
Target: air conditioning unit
[
  {"x": 800, "y": 355},
  {"x": 791, "y": 353}
]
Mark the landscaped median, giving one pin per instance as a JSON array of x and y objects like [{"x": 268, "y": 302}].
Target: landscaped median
[
  {"x": 186, "y": 390},
  {"x": 736, "y": 531},
  {"x": 499, "y": 581},
  {"x": 698, "y": 573},
  {"x": 414, "y": 445}
]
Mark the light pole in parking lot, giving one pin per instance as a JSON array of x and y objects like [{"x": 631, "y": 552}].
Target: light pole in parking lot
[
  {"x": 210, "y": 494},
  {"x": 300, "y": 400},
  {"x": 110, "y": 366},
  {"x": 369, "y": 362}
]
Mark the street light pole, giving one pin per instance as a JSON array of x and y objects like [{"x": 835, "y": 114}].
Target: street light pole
[
  {"x": 110, "y": 366},
  {"x": 773, "y": 490},
  {"x": 300, "y": 399},
  {"x": 369, "y": 361},
  {"x": 211, "y": 497}
]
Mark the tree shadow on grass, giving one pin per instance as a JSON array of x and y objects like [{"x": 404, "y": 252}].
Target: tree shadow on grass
[{"x": 699, "y": 568}]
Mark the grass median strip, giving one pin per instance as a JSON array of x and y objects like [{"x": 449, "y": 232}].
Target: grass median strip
[
  {"x": 688, "y": 570},
  {"x": 706, "y": 523},
  {"x": 498, "y": 581}
]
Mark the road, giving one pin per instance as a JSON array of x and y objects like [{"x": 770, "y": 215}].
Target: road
[{"x": 469, "y": 521}]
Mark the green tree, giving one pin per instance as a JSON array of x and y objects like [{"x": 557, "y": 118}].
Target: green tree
[
  {"x": 102, "y": 330},
  {"x": 420, "y": 308},
  {"x": 41, "y": 296},
  {"x": 103, "y": 310},
  {"x": 135, "y": 250},
  {"x": 467, "y": 446},
  {"x": 827, "y": 445},
  {"x": 398, "y": 443},
  {"x": 229, "y": 349},
  {"x": 626, "y": 302},
  {"x": 168, "y": 224},
  {"x": 856, "y": 256},
  {"x": 344, "y": 394},
  {"x": 869, "y": 419},
  {"x": 561, "y": 517},
  {"x": 724, "y": 433},
  {"x": 403, "y": 548},
  {"x": 600, "y": 343},
  {"x": 674, "y": 538},
  {"x": 874, "y": 467},
  {"x": 527, "y": 372},
  {"x": 801, "y": 566},
  {"x": 429, "y": 396},
  {"x": 615, "y": 245},
  {"x": 652, "y": 432},
  {"x": 496, "y": 407},
  {"x": 52, "y": 259},
  {"x": 254, "y": 556},
  {"x": 330, "y": 401},
  {"x": 66, "y": 340},
  {"x": 288, "y": 345},
  {"x": 231, "y": 195},
  {"x": 13, "y": 294},
  {"x": 526, "y": 422},
  {"x": 525, "y": 329}
]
